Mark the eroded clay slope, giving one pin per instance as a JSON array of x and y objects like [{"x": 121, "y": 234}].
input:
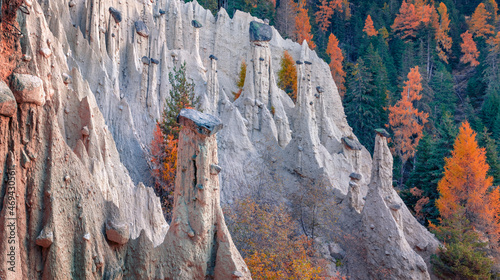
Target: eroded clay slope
[{"x": 102, "y": 70}]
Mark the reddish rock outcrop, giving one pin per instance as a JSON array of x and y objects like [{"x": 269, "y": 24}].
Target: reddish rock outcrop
[{"x": 8, "y": 105}]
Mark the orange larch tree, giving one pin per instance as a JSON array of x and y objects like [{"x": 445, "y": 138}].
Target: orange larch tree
[
  {"x": 325, "y": 12},
  {"x": 406, "y": 121},
  {"x": 492, "y": 7},
  {"x": 409, "y": 18},
  {"x": 478, "y": 23},
  {"x": 469, "y": 50},
  {"x": 303, "y": 26},
  {"x": 443, "y": 40},
  {"x": 346, "y": 6},
  {"x": 465, "y": 187},
  {"x": 336, "y": 59},
  {"x": 407, "y": 21},
  {"x": 369, "y": 29},
  {"x": 424, "y": 11}
]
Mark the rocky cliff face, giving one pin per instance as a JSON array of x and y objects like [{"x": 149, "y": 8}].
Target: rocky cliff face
[{"x": 92, "y": 82}]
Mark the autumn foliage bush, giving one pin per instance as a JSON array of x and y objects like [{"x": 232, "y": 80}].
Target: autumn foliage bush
[
  {"x": 272, "y": 249},
  {"x": 241, "y": 79},
  {"x": 164, "y": 160},
  {"x": 287, "y": 75}
]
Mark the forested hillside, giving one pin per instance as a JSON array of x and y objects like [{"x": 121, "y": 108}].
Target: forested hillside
[
  {"x": 452, "y": 49},
  {"x": 421, "y": 69}
]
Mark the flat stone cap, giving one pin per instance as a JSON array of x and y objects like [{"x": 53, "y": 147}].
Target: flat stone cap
[
  {"x": 196, "y": 24},
  {"x": 352, "y": 143},
  {"x": 382, "y": 132},
  {"x": 355, "y": 176},
  {"x": 117, "y": 15},
  {"x": 260, "y": 32},
  {"x": 202, "y": 123},
  {"x": 146, "y": 60},
  {"x": 141, "y": 28}
]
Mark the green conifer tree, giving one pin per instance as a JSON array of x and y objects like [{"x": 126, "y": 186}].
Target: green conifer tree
[
  {"x": 360, "y": 104},
  {"x": 445, "y": 98},
  {"x": 181, "y": 96},
  {"x": 464, "y": 256},
  {"x": 429, "y": 164},
  {"x": 485, "y": 140},
  {"x": 471, "y": 115},
  {"x": 490, "y": 110},
  {"x": 376, "y": 66},
  {"x": 496, "y": 128}
]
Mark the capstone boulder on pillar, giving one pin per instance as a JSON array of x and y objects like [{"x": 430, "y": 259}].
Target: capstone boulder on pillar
[{"x": 198, "y": 243}]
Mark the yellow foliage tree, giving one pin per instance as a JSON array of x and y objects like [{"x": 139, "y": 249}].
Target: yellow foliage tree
[
  {"x": 406, "y": 21},
  {"x": 241, "y": 80},
  {"x": 424, "y": 11}
]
